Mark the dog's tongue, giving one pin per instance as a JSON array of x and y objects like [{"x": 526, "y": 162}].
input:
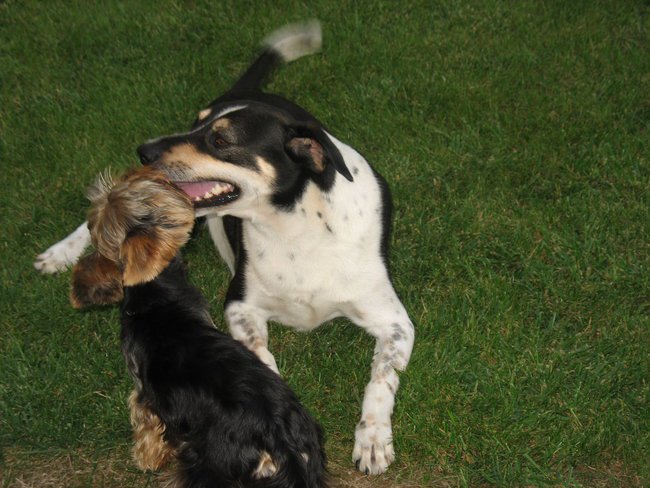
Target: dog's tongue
[{"x": 197, "y": 189}]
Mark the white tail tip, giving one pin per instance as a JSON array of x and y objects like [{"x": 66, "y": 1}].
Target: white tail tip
[{"x": 294, "y": 41}]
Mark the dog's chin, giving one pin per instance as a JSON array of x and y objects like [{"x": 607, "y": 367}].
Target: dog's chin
[{"x": 208, "y": 194}]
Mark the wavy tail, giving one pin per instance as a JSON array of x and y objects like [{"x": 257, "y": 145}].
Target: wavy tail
[
  {"x": 284, "y": 45},
  {"x": 292, "y": 468},
  {"x": 297, "y": 472}
]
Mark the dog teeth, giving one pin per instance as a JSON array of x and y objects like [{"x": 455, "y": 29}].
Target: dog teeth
[{"x": 218, "y": 189}]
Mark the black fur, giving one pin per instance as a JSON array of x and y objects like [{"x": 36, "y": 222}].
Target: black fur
[
  {"x": 386, "y": 216},
  {"x": 221, "y": 406},
  {"x": 273, "y": 120}
]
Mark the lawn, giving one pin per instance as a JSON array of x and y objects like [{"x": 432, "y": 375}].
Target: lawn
[{"x": 515, "y": 137}]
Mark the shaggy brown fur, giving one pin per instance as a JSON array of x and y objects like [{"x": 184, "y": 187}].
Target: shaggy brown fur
[
  {"x": 139, "y": 221},
  {"x": 95, "y": 281},
  {"x": 150, "y": 450}
]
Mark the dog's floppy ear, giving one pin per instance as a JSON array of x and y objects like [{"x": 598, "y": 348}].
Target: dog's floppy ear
[
  {"x": 308, "y": 144},
  {"x": 140, "y": 221},
  {"x": 145, "y": 253},
  {"x": 95, "y": 281}
]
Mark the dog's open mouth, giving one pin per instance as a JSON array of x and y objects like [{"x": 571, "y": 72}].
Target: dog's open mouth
[{"x": 210, "y": 193}]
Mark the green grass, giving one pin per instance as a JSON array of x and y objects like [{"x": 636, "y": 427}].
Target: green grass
[{"x": 515, "y": 137}]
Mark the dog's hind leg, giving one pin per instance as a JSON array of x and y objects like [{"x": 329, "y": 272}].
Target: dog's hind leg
[
  {"x": 384, "y": 317},
  {"x": 64, "y": 253},
  {"x": 248, "y": 326}
]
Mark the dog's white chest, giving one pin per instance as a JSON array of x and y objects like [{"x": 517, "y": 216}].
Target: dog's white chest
[
  {"x": 293, "y": 285},
  {"x": 315, "y": 262}
]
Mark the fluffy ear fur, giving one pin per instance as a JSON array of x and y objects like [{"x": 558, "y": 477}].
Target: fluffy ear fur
[
  {"x": 140, "y": 221},
  {"x": 309, "y": 151},
  {"x": 146, "y": 254},
  {"x": 310, "y": 145},
  {"x": 95, "y": 281}
]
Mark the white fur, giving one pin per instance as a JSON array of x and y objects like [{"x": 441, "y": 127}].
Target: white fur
[
  {"x": 64, "y": 253},
  {"x": 301, "y": 274},
  {"x": 218, "y": 234},
  {"x": 296, "y": 40}
]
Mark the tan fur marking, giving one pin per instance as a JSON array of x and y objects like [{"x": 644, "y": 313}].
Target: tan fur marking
[
  {"x": 266, "y": 468},
  {"x": 150, "y": 450},
  {"x": 145, "y": 256},
  {"x": 221, "y": 123},
  {"x": 318, "y": 155},
  {"x": 266, "y": 169},
  {"x": 95, "y": 281},
  {"x": 183, "y": 152},
  {"x": 204, "y": 113}
]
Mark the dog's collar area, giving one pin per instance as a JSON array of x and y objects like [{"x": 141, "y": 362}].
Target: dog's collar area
[{"x": 209, "y": 193}]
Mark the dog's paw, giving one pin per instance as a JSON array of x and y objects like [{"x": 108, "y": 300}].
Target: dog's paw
[
  {"x": 53, "y": 260},
  {"x": 64, "y": 253},
  {"x": 373, "y": 447},
  {"x": 267, "y": 358}
]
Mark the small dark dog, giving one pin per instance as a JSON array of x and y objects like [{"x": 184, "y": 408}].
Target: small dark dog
[{"x": 200, "y": 397}]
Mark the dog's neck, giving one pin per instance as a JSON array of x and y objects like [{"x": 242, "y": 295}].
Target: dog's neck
[
  {"x": 292, "y": 223},
  {"x": 169, "y": 288}
]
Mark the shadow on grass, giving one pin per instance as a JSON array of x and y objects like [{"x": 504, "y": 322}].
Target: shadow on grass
[{"x": 112, "y": 468}]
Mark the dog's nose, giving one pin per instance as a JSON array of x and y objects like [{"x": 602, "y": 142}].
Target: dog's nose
[{"x": 148, "y": 153}]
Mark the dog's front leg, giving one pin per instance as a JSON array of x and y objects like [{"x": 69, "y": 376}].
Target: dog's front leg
[
  {"x": 247, "y": 324},
  {"x": 386, "y": 319},
  {"x": 65, "y": 252}
]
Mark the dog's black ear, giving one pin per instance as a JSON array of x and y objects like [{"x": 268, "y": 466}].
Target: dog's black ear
[{"x": 309, "y": 144}]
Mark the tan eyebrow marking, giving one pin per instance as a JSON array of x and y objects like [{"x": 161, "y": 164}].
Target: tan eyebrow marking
[
  {"x": 221, "y": 124},
  {"x": 204, "y": 113}
]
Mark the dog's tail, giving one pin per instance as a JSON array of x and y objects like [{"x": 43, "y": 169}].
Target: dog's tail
[
  {"x": 284, "y": 45},
  {"x": 293, "y": 471},
  {"x": 301, "y": 462},
  {"x": 299, "y": 471}
]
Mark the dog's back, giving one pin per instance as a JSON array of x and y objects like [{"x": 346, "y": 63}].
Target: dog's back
[{"x": 222, "y": 408}]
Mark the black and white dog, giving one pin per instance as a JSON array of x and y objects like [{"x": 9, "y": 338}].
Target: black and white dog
[{"x": 301, "y": 219}]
